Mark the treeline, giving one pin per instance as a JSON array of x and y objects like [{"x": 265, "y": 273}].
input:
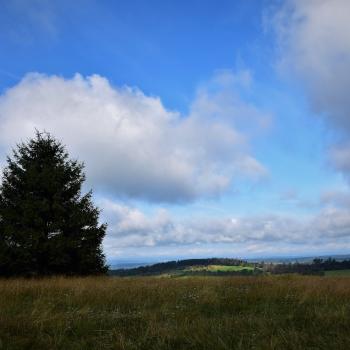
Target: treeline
[
  {"x": 178, "y": 267},
  {"x": 317, "y": 267},
  {"x": 165, "y": 267}
]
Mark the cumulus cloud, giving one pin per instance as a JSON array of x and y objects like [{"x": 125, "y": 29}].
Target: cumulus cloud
[
  {"x": 131, "y": 144},
  {"x": 314, "y": 43},
  {"x": 130, "y": 227}
]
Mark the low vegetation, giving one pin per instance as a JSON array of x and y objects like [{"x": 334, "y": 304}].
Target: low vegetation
[{"x": 267, "y": 312}]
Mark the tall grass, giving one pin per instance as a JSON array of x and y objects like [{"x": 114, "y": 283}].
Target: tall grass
[{"x": 270, "y": 312}]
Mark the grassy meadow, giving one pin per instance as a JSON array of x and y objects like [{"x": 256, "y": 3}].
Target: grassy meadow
[
  {"x": 219, "y": 268},
  {"x": 213, "y": 313}
]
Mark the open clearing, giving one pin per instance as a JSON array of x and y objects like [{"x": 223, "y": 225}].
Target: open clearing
[{"x": 269, "y": 312}]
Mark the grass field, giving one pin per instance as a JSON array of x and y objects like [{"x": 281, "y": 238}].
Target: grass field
[
  {"x": 336, "y": 273},
  {"x": 219, "y": 268},
  {"x": 270, "y": 312}
]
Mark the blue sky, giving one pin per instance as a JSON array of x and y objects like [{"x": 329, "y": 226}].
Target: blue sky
[
  {"x": 207, "y": 128},
  {"x": 164, "y": 47}
]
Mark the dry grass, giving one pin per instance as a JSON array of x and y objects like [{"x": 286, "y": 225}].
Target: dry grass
[{"x": 174, "y": 313}]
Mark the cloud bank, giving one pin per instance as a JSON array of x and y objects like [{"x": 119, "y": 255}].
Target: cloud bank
[
  {"x": 130, "y": 227},
  {"x": 131, "y": 144}
]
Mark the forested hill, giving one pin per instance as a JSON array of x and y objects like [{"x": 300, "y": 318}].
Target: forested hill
[
  {"x": 185, "y": 265},
  {"x": 225, "y": 266}
]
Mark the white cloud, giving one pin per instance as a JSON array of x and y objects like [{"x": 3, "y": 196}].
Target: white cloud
[
  {"x": 131, "y": 144},
  {"x": 130, "y": 227},
  {"x": 314, "y": 43}
]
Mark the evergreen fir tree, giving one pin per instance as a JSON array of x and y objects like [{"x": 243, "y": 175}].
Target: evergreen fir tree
[{"x": 46, "y": 225}]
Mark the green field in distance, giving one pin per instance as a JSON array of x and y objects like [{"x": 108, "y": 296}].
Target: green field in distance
[{"x": 219, "y": 268}]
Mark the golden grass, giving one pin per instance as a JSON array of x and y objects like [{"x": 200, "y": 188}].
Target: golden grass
[{"x": 270, "y": 312}]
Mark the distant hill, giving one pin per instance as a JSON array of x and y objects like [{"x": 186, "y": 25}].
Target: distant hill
[
  {"x": 132, "y": 263},
  {"x": 300, "y": 259},
  {"x": 212, "y": 266},
  {"x": 233, "y": 267},
  {"x": 128, "y": 265}
]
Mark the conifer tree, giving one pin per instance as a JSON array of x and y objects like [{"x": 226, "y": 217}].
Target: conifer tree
[{"x": 46, "y": 225}]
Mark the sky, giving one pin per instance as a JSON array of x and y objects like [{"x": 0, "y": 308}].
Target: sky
[{"x": 207, "y": 128}]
